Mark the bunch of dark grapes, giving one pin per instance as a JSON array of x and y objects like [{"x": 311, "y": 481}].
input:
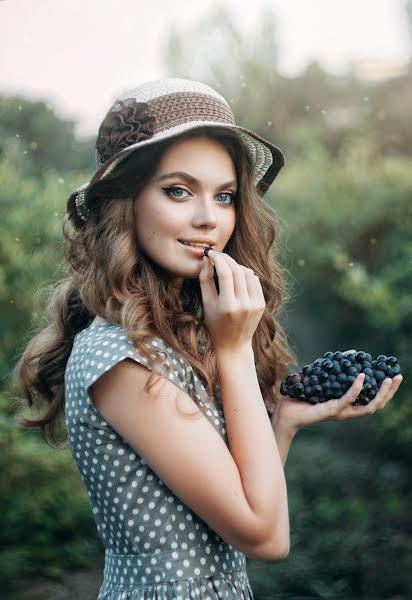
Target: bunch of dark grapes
[{"x": 331, "y": 376}]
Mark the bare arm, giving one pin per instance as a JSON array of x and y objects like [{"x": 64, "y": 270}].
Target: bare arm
[
  {"x": 254, "y": 447},
  {"x": 202, "y": 472}
]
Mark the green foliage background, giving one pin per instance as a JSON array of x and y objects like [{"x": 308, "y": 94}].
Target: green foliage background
[{"x": 344, "y": 202}]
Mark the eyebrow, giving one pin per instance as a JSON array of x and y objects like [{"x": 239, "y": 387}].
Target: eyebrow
[{"x": 191, "y": 179}]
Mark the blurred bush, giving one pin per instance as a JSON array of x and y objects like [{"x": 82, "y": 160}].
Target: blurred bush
[{"x": 48, "y": 527}]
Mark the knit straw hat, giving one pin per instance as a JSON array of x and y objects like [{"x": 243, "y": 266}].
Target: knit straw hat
[{"x": 163, "y": 108}]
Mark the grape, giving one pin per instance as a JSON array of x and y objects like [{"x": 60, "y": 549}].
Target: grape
[
  {"x": 331, "y": 376},
  {"x": 327, "y": 365},
  {"x": 379, "y": 375}
]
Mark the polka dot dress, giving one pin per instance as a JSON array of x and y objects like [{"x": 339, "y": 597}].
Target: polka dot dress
[{"x": 156, "y": 547}]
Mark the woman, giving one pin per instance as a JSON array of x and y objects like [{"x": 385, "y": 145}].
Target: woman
[{"x": 149, "y": 322}]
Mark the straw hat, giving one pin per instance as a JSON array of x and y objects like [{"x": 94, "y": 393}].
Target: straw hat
[{"x": 161, "y": 109}]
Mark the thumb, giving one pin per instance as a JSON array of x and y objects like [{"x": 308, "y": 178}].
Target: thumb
[{"x": 207, "y": 284}]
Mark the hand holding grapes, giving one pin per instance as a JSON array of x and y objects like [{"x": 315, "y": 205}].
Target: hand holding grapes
[{"x": 293, "y": 413}]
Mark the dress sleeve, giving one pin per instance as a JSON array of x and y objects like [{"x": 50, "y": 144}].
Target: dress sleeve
[{"x": 109, "y": 345}]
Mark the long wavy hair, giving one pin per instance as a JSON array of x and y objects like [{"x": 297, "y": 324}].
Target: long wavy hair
[{"x": 107, "y": 275}]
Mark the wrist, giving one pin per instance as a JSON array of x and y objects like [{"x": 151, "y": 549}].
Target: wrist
[
  {"x": 246, "y": 350},
  {"x": 282, "y": 428}
]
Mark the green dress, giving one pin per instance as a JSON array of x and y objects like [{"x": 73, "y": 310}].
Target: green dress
[{"x": 156, "y": 547}]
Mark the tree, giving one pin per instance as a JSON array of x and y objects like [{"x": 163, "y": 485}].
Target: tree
[{"x": 35, "y": 139}]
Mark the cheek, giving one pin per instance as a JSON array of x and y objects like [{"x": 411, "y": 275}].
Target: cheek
[
  {"x": 159, "y": 222},
  {"x": 168, "y": 221}
]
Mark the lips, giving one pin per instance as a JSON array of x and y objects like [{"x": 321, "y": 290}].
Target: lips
[
  {"x": 194, "y": 250},
  {"x": 198, "y": 243}
]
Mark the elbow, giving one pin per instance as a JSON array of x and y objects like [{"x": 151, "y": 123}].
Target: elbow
[
  {"x": 279, "y": 551},
  {"x": 277, "y": 546},
  {"x": 273, "y": 551},
  {"x": 280, "y": 543},
  {"x": 283, "y": 552}
]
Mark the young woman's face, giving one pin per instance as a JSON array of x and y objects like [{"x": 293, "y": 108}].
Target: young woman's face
[{"x": 200, "y": 206}]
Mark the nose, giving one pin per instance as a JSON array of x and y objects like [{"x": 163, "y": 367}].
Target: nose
[{"x": 205, "y": 212}]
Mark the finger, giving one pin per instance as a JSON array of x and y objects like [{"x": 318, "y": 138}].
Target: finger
[
  {"x": 250, "y": 279},
  {"x": 382, "y": 392},
  {"x": 261, "y": 295},
  {"x": 385, "y": 393},
  {"x": 338, "y": 407},
  {"x": 390, "y": 392},
  {"x": 353, "y": 392},
  {"x": 224, "y": 273},
  {"x": 253, "y": 284},
  {"x": 207, "y": 282},
  {"x": 243, "y": 280},
  {"x": 361, "y": 410}
]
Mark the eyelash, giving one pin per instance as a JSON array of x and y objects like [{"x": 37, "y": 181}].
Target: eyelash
[{"x": 176, "y": 187}]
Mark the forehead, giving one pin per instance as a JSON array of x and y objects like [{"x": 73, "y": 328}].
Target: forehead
[{"x": 201, "y": 157}]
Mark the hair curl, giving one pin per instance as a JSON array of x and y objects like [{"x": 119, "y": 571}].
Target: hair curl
[{"x": 108, "y": 276}]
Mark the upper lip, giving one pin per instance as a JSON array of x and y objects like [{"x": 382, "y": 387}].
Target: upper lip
[{"x": 205, "y": 241}]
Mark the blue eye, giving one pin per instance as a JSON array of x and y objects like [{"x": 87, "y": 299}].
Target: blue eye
[
  {"x": 169, "y": 191},
  {"x": 227, "y": 194},
  {"x": 173, "y": 189}
]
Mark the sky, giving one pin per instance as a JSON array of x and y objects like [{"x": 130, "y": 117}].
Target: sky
[{"x": 77, "y": 55}]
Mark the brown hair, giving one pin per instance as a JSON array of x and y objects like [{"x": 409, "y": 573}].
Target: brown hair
[{"x": 107, "y": 276}]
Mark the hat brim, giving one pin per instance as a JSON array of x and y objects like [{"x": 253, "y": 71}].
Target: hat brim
[{"x": 268, "y": 158}]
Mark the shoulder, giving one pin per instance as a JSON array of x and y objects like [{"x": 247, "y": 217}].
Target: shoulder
[{"x": 102, "y": 345}]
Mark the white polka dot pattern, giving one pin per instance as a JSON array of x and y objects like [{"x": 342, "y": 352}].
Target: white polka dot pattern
[{"x": 155, "y": 546}]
